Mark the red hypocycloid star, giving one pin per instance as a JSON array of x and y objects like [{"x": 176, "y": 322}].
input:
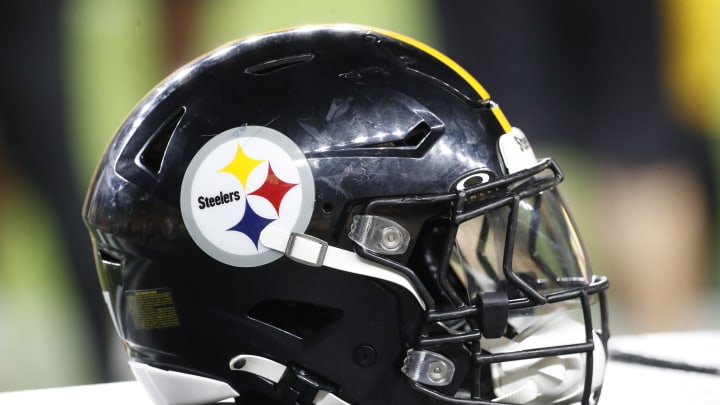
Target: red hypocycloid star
[{"x": 273, "y": 189}]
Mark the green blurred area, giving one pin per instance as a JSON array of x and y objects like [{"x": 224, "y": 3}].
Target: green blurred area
[
  {"x": 116, "y": 51},
  {"x": 41, "y": 336},
  {"x": 112, "y": 59}
]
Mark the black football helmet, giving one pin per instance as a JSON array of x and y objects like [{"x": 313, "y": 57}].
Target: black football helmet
[{"x": 340, "y": 215}]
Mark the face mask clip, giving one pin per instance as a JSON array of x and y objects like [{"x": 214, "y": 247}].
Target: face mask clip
[
  {"x": 379, "y": 234},
  {"x": 493, "y": 308},
  {"x": 428, "y": 368}
]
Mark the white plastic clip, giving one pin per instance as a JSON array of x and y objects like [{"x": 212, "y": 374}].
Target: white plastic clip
[
  {"x": 516, "y": 152},
  {"x": 379, "y": 234},
  {"x": 428, "y": 367},
  {"x": 306, "y": 249}
]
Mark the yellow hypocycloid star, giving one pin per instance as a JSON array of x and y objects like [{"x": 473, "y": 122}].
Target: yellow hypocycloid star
[{"x": 241, "y": 165}]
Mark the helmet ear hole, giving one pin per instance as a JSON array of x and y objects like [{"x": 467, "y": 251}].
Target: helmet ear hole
[
  {"x": 300, "y": 319},
  {"x": 328, "y": 208}
]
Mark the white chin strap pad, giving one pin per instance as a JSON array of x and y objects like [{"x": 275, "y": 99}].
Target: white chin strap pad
[
  {"x": 174, "y": 388},
  {"x": 546, "y": 380}
]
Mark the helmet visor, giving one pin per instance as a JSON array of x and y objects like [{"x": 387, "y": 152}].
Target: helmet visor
[{"x": 538, "y": 243}]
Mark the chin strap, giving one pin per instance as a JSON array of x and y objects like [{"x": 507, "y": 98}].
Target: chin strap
[
  {"x": 291, "y": 383},
  {"x": 316, "y": 252}
]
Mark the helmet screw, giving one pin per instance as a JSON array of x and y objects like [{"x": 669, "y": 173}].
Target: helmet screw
[
  {"x": 365, "y": 355},
  {"x": 437, "y": 371},
  {"x": 392, "y": 238}
]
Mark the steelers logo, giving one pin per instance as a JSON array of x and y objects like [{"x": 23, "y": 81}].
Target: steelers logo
[{"x": 240, "y": 182}]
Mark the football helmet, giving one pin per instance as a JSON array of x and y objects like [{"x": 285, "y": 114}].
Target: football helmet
[{"x": 340, "y": 215}]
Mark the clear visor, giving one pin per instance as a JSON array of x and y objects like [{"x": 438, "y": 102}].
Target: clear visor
[{"x": 546, "y": 251}]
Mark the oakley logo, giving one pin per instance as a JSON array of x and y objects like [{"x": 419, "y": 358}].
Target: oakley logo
[{"x": 472, "y": 180}]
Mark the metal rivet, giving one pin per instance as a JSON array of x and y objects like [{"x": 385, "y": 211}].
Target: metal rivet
[
  {"x": 437, "y": 371},
  {"x": 391, "y": 238},
  {"x": 365, "y": 355}
]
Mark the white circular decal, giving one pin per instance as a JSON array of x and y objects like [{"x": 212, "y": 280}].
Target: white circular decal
[{"x": 238, "y": 183}]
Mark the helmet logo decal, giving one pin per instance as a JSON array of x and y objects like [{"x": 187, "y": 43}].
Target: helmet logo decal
[
  {"x": 238, "y": 183},
  {"x": 273, "y": 190}
]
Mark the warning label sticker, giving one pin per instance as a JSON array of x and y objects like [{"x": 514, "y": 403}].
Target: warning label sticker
[{"x": 152, "y": 309}]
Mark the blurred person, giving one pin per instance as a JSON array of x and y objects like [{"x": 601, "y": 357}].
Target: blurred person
[
  {"x": 588, "y": 77},
  {"x": 35, "y": 150}
]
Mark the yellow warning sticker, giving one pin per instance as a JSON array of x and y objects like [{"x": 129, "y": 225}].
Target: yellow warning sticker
[{"x": 152, "y": 309}]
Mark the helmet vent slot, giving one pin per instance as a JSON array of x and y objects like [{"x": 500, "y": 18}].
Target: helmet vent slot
[
  {"x": 109, "y": 259},
  {"x": 272, "y": 66},
  {"x": 152, "y": 154},
  {"x": 297, "y": 318},
  {"x": 412, "y": 139}
]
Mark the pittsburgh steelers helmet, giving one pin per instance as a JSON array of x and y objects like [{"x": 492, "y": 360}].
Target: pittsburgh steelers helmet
[{"x": 339, "y": 215}]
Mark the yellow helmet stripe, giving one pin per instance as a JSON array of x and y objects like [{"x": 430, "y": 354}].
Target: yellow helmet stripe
[
  {"x": 484, "y": 95},
  {"x": 479, "y": 89},
  {"x": 504, "y": 123}
]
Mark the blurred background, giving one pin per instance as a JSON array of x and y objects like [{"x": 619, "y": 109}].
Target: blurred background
[{"x": 624, "y": 95}]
